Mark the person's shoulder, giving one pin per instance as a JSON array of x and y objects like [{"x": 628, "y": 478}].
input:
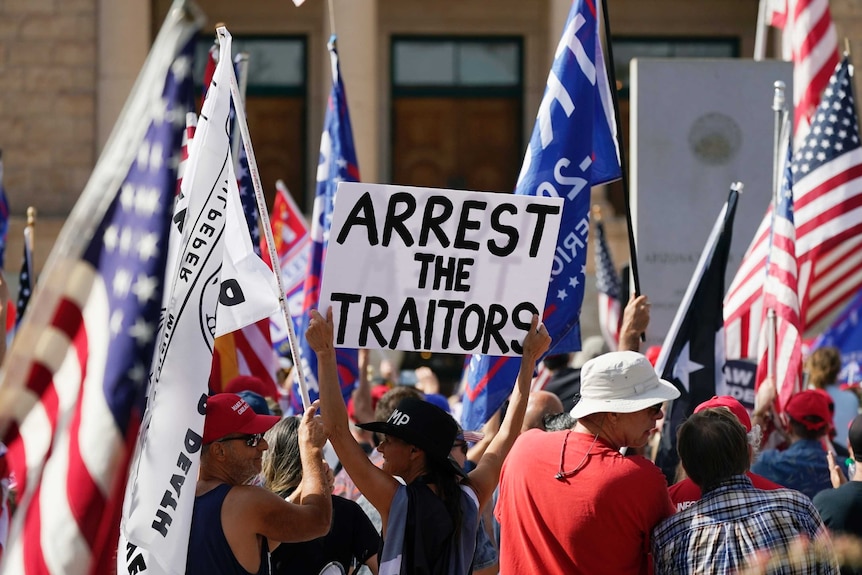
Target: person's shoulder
[
  {"x": 762, "y": 482},
  {"x": 790, "y": 499},
  {"x": 673, "y": 526},
  {"x": 827, "y": 496},
  {"x": 684, "y": 493},
  {"x": 251, "y": 499}
]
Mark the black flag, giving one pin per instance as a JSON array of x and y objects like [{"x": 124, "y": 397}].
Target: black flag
[{"x": 692, "y": 356}]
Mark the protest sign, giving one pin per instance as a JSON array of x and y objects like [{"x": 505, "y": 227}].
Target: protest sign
[
  {"x": 739, "y": 381},
  {"x": 438, "y": 270}
]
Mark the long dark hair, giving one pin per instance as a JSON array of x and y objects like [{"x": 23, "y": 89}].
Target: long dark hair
[{"x": 448, "y": 485}]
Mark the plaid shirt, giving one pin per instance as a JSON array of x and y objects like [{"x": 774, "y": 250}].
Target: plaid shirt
[{"x": 723, "y": 531}]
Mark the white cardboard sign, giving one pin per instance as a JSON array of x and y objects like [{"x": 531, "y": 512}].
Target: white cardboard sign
[{"x": 424, "y": 269}]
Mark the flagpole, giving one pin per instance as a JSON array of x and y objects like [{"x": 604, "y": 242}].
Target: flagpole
[
  {"x": 780, "y": 109},
  {"x": 612, "y": 80},
  {"x": 761, "y": 32},
  {"x": 331, "y": 6},
  {"x": 30, "y": 240},
  {"x": 265, "y": 225}
]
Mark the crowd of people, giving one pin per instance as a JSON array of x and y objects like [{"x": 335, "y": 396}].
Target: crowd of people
[{"x": 554, "y": 483}]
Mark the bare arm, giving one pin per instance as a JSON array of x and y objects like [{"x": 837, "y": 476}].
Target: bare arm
[
  {"x": 484, "y": 478},
  {"x": 377, "y": 485},
  {"x": 635, "y": 322},
  {"x": 278, "y": 520}
]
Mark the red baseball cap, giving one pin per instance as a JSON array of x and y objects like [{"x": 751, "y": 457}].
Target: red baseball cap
[
  {"x": 228, "y": 413},
  {"x": 811, "y": 409},
  {"x": 736, "y": 408}
]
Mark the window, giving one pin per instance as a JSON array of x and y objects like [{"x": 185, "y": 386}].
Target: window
[
  {"x": 276, "y": 94},
  {"x": 276, "y": 64},
  {"x": 456, "y": 64}
]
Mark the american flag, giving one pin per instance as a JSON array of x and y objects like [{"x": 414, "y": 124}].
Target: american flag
[
  {"x": 4, "y": 215},
  {"x": 575, "y": 132},
  {"x": 247, "y": 351},
  {"x": 188, "y": 135},
  {"x": 337, "y": 164},
  {"x": 780, "y": 295},
  {"x": 810, "y": 41},
  {"x": 609, "y": 290},
  {"x": 25, "y": 276},
  {"x": 74, "y": 385},
  {"x": 827, "y": 197}
]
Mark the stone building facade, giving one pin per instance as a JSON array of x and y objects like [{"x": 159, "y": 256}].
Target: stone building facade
[{"x": 66, "y": 68}]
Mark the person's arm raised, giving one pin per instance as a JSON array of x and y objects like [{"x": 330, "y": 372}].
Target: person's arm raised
[
  {"x": 484, "y": 478},
  {"x": 375, "y": 484},
  {"x": 634, "y": 323},
  {"x": 267, "y": 514}
]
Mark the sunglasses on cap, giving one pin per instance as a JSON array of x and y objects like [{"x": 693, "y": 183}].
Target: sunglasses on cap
[{"x": 251, "y": 440}]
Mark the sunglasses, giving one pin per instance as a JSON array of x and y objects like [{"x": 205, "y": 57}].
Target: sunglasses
[
  {"x": 655, "y": 408},
  {"x": 250, "y": 440},
  {"x": 460, "y": 445}
]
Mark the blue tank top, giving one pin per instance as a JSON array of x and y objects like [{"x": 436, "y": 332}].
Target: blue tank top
[{"x": 209, "y": 551}]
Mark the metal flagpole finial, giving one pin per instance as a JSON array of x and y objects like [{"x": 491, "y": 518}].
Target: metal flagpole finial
[
  {"x": 597, "y": 212},
  {"x": 31, "y": 216},
  {"x": 846, "y": 46},
  {"x": 738, "y": 186},
  {"x": 778, "y": 96}
]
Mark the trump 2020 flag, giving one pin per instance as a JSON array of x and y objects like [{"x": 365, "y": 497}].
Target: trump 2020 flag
[
  {"x": 4, "y": 215},
  {"x": 74, "y": 382},
  {"x": 337, "y": 164},
  {"x": 845, "y": 333},
  {"x": 692, "y": 356},
  {"x": 212, "y": 290},
  {"x": 573, "y": 147}
]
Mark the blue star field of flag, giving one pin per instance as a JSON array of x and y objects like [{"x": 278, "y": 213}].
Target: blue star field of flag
[
  {"x": 129, "y": 249},
  {"x": 834, "y": 130},
  {"x": 25, "y": 283},
  {"x": 607, "y": 279},
  {"x": 246, "y": 196}
]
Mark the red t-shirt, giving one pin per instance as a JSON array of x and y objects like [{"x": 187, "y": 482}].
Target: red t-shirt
[
  {"x": 685, "y": 493},
  {"x": 597, "y": 521}
]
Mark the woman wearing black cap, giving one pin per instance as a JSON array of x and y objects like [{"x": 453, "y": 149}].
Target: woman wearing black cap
[{"x": 429, "y": 524}]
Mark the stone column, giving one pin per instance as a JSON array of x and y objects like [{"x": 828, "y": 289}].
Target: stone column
[
  {"x": 356, "y": 27},
  {"x": 125, "y": 33}
]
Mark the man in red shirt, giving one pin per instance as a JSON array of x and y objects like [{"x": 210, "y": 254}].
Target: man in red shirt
[
  {"x": 685, "y": 493},
  {"x": 570, "y": 502}
]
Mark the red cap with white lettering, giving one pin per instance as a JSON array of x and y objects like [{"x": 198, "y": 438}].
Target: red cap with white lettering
[{"x": 228, "y": 413}]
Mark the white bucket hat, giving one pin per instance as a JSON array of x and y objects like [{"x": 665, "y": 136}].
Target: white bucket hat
[{"x": 620, "y": 382}]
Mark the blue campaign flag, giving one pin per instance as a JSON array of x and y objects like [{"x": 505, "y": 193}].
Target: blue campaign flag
[
  {"x": 845, "y": 333},
  {"x": 573, "y": 147},
  {"x": 337, "y": 164},
  {"x": 4, "y": 216}
]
